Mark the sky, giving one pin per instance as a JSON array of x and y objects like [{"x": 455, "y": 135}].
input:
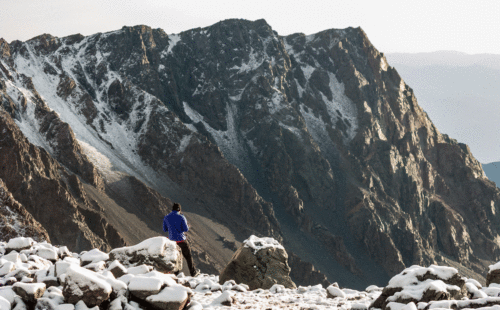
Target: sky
[{"x": 392, "y": 25}]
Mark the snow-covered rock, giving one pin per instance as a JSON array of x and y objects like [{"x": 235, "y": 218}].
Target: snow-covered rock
[
  {"x": 142, "y": 287},
  {"x": 170, "y": 298},
  {"x": 29, "y": 292},
  {"x": 333, "y": 292},
  {"x": 19, "y": 243},
  {"x": 4, "y": 303},
  {"x": 117, "y": 269},
  {"x": 420, "y": 284},
  {"x": 93, "y": 256},
  {"x": 159, "y": 252},
  {"x": 82, "y": 284},
  {"x": 259, "y": 263},
  {"x": 6, "y": 268},
  {"x": 47, "y": 253},
  {"x": 225, "y": 299}
]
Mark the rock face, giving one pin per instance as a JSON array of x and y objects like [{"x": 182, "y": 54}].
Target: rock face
[
  {"x": 304, "y": 273},
  {"x": 16, "y": 221},
  {"x": 311, "y": 138},
  {"x": 259, "y": 263},
  {"x": 37, "y": 180}
]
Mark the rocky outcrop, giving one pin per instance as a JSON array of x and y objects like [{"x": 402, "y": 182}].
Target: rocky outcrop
[
  {"x": 16, "y": 221},
  {"x": 259, "y": 263},
  {"x": 419, "y": 284},
  {"x": 304, "y": 273},
  {"x": 39, "y": 183}
]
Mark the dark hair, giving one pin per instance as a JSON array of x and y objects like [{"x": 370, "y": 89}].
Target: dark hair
[{"x": 176, "y": 207}]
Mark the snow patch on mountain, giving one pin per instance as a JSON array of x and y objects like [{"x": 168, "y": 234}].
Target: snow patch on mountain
[
  {"x": 95, "y": 142},
  {"x": 228, "y": 141},
  {"x": 28, "y": 123},
  {"x": 174, "y": 39},
  {"x": 342, "y": 104}
]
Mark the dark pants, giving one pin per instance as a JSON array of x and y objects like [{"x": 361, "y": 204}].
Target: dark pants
[{"x": 186, "y": 252}]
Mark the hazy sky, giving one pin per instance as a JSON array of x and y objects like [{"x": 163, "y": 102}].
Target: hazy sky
[{"x": 392, "y": 26}]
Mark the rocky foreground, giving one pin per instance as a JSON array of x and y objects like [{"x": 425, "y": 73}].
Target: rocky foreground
[{"x": 38, "y": 275}]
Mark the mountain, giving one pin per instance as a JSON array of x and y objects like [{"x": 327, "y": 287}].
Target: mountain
[
  {"x": 313, "y": 140},
  {"x": 460, "y": 93}
]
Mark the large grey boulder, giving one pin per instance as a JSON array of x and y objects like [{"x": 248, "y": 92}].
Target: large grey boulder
[
  {"x": 158, "y": 252},
  {"x": 259, "y": 263}
]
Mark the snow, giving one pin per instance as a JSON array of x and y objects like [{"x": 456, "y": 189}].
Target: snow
[
  {"x": 94, "y": 256},
  {"x": 156, "y": 246},
  {"x": 174, "y": 39},
  {"x": 142, "y": 269},
  {"x": 7, "y": 293},
  {"x": 184, "y": 143},
  {"x": 77, "y": 277},
  {"x": 409, "y": 275},
  {"x": 20, "y": 243},
  {"x": 123, "y": 156},
  {"x": 167, "y": 279},
  {"x": 258, "y": 244},
  {"x": 335, "y": 291},
  {"x": 30, "y": 288},
  {"x": 4, "y": 303},
  {"x": 228, "y": 141},
  {"x": 141, "y": 283},
  {"x": 494, "y": 267},
  {"x": 46, "y": 253},
  {"x": 177, "y": 293}
]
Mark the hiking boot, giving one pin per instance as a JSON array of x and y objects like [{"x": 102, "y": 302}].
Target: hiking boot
[{"x": 195, "y": 273}]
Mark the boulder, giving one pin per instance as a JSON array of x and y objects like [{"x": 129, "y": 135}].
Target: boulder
[
  {"x": 171, "y": 298},
  {"x": 225, "y": 299},
  {"x": 47, "y": 253},
  {"x": 82, "y": 284},
  {"x": 419, "y": 284},
  {"x": 6, "y": 268},
  {"x": 333, "y": 291},
  {"x": 93, "y": 256},
  {"x": 142, "y": 287},
  {"x": 45, "y": 304},
  {"x": 159, "y": 252},
  {"x": 493, "y": 275},
  {"x": 259, "y": 263},
  {"x": 117, "y": 269},
  {"x": 18, "y": 244},
  {"x": 29, "y": 292}
]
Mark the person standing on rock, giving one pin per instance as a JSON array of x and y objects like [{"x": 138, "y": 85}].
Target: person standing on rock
[{"x": 175, "y": 224}]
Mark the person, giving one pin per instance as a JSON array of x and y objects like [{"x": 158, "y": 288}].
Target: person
[{"x": 175, "y": 224}]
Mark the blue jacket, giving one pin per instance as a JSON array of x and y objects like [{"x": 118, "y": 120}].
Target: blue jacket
[{"x": 176, "y": 225}]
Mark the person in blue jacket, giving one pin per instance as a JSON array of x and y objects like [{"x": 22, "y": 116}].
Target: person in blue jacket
[{"x": 176, "y": 225}]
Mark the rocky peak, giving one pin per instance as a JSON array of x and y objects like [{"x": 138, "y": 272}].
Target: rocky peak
[{"x": 302, "y": 137}]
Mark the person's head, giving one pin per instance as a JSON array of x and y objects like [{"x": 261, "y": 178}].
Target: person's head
[{"x": 176, "y": 207}]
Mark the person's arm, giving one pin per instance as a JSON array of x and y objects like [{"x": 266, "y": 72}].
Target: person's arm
[
  {"x": 184, "y": 224},
  {"x": 165, "y": 226}
]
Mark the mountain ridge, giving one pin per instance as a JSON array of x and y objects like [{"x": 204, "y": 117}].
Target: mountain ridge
[{"x": 314, "y": 140}]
